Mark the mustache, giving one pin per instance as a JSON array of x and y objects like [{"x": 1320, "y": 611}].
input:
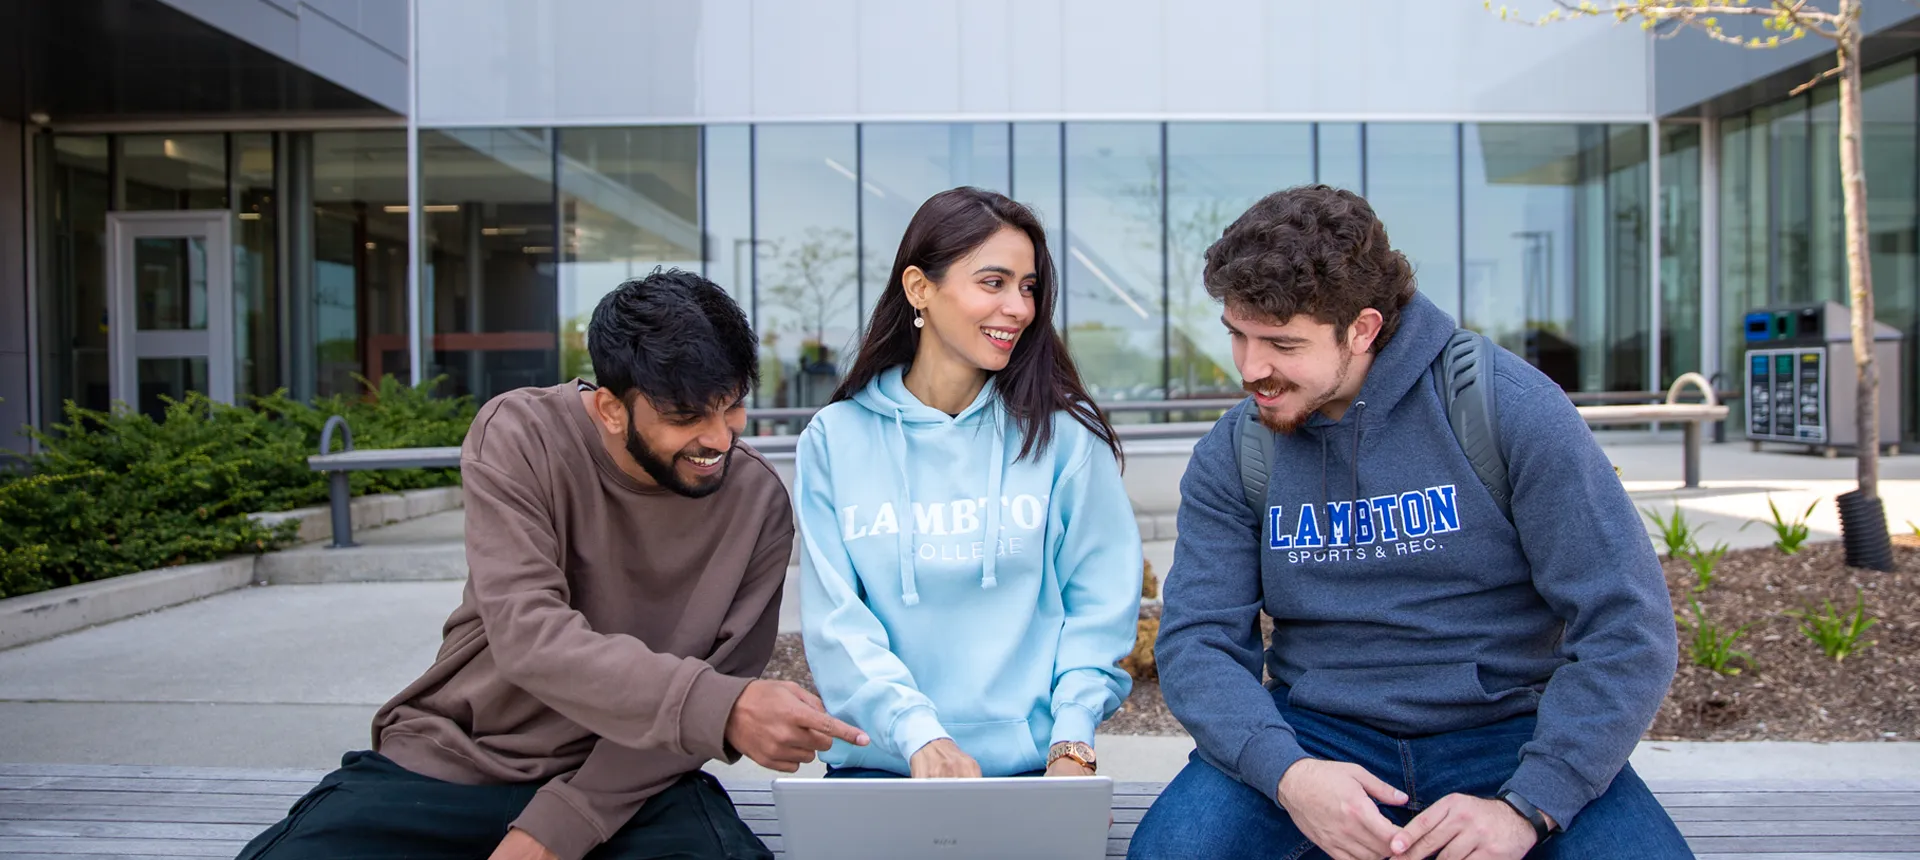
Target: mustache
[{"x": 1271, "y": 383}]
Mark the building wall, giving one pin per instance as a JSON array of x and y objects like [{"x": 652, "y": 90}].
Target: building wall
[
  {"x": 15, "y": 380},
  {"x": 1691, "y": 68},
  {"x": 571, "y": 62},
  {"x": 358, "y": 44}
]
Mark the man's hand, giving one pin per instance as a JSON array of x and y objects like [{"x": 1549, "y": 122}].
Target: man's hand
[
  {"x": 1333, "y": 804},
  {"x": 1459, "y": 827},
  {"x": 942, "y": 759},
  {"x": 781, "y": 726},
  {"x": 520, "y": 846}
]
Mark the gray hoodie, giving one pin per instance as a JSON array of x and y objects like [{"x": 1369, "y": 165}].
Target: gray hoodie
[{"x": 1404, "y": 600}]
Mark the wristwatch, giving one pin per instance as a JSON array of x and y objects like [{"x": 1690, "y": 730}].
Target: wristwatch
[
  {"x": 1080, "y": 753},
  {"x": 1542, "y": 831}
]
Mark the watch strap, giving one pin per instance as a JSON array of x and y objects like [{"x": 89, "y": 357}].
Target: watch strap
[
  {"x": 1079, "y": 753},
  {"x": 1542, "y": 831}
]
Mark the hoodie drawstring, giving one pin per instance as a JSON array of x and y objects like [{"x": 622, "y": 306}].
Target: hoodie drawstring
[
  {"x": 909, "y": 589},
  {"x": 996, "y": 467},
  {"x": 1353, "y": 490}
]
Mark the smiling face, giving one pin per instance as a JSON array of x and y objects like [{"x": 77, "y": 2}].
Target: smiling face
[
  {"x": 976, "y": 313},
  {"x": 1299, "y": 367},
  {"x": 686, "y": 451}
]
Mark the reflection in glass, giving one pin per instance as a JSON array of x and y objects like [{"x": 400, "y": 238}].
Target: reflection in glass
[
  {"x": 900, "y": 167},
  {"x": 629, "y": 203},
  {"x": 1339, "y": 157},
  {"x": 727, "y": 171},
  {"x": 1215, "y": 171},
  {"x": 1791, "y": 244},
  {"x": 1522, "y": 222},
  {"x": 73, "y": 189},
  {"x": 354, "y": 271},
  {"x": 1616, "y": 338},
  {"x": 1037, "y": 183},
  {"x": 1413, "y": 186},
  {"x": 256, "y": 296},
  {"x": 1887, "y": 108},
  {"x": 1679, "y": 252},
  {"x": 170, "y": 284},
  {"x": 807, "y": 273},
  {"x": 1115, "y": 289},
  {"x": 163, "y": 379},
  {"x": 1826, "y": 219},
  {"x": 488, "y": 224},
  {"x": 172, "y": 171},
  {"x": 1743, "y": 245}
]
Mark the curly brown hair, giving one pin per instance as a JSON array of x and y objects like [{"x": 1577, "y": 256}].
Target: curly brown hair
[{"x": 1315, "y": 250}]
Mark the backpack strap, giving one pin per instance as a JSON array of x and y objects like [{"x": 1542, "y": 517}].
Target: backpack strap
[
  {"x": 1253, "y": 447},
  {"x": 1463, "y": 375}
]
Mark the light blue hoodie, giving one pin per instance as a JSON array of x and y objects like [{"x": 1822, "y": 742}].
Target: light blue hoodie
[{"x": 930, "y": 611}]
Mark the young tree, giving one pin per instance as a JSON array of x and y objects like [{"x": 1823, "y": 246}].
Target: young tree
[{"x": 1787, "y": 21}]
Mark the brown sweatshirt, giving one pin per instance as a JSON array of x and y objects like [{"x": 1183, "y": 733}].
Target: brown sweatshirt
[{"x": 606, "y": 629}]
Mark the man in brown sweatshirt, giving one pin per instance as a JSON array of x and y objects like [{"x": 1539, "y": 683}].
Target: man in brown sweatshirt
[{"x": 625, "y": 560}]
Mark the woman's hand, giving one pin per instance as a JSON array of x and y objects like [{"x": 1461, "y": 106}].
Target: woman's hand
[
  {"x": 1064, "y": 766},
  {"x": 943, "y": 759}
]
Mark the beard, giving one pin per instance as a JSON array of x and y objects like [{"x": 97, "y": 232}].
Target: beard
[
  {"x": 662, "y": 471},
  {"x": 1287, "y": 423}
]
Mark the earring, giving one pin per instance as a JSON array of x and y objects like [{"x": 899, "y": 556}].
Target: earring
[{"x": 918, "y": 321}]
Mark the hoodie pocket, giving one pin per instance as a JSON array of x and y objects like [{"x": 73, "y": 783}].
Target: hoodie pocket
[
  {"x": 1417, "y": 699},
  {"x": 1003, "y": 748}
]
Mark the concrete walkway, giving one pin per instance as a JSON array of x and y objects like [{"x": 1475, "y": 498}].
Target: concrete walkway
[{"x": 290, "y": 675}]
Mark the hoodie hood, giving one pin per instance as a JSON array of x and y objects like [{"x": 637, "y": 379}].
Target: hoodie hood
[
  {"x": 888, "y": 397},
  {"x": 1398, "y": 366}
]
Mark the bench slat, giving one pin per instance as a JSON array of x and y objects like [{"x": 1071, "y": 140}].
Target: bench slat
[
  {"x": 12, "y": 845},
  {"x": 183, "y": 814}
]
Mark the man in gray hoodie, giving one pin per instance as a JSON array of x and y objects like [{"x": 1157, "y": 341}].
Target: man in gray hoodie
[{"x": 1444, "y": 679}]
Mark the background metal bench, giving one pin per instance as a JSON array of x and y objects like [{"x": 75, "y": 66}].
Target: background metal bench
[{"x": 100, "y": 811}]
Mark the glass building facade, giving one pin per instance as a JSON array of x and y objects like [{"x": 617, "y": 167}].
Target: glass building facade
[{"x": 1536, "y": 234}]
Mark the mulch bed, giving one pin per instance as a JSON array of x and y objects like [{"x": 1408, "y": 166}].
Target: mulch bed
[{"x": 1788, "y": 691}]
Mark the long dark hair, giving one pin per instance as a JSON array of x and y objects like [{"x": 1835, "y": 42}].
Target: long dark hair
[{"x": 1039, "y": 378}]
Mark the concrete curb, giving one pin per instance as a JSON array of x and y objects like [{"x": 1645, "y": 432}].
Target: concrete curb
[
  {"x": 315, "y": 565},
  {"x": 368, "y": 511},
  {"x": 33, "y": 617}
]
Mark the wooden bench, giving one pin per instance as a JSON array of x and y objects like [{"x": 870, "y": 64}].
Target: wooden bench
[{"x": 127, "y": 811}]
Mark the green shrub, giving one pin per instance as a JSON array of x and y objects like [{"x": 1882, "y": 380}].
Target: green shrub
[
  {"x": 1677, "y": 535},
  {"x": 1837, "y": 635},
  {"x": 1703, "y": 562},
  {"x": 1711, "y": 646},
  {"x": 112, "y": 493},
  {"x": 1789, "y": 535}
]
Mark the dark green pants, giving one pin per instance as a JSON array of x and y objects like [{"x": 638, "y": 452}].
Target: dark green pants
[{"x": 373, "y": 808}]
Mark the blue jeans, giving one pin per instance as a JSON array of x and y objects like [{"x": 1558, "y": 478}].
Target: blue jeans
[{"x": 1204, "y": 813}]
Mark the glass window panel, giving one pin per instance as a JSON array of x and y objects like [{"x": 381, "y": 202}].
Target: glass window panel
[
  {"x": 487, "y": 219},
  {"x": 74, "y": 191},
  {"x": 1826, "y": 243},
  {"x": 173, "y": 171},
  {"x": 164, "y": 379},
  {"x": 1037, "y": 182},
  {"x": 1115, "y": 287},
  {"x": 1743, "y": 273},
  {"x": 1521, "y": 184},
  {"x": 901, "y": 165},
  {"x": 727, "y": 172},
  {"x": 1624, "y": 347},
  {"x": 629, "y": 203},
  {"x": 1413, "y": 183},
  {"x": 1339, "y": 157},
  {"x": 1215, "y": 171},
  {"x": 351, "y": 275},
  {"x": 1888, "y": 146},
  {"x": 1792, "y": 239},
  {"x": 170, "y": 284},
  {"x": 256, "y": 295},
  {"x": 1680, "y": 238},
  {"x": 806, "y": 285}
]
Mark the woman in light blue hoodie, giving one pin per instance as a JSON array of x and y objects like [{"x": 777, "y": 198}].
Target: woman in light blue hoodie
[{"x": 970, "y": 567}]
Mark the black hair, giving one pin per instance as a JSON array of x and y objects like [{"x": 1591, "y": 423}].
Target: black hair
[
  {"x": 1040, "y": 378},
  {"x": 676, "y": 339}
]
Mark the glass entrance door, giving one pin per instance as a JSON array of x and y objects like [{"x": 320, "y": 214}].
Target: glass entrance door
[{"x": 170, "y": 293}]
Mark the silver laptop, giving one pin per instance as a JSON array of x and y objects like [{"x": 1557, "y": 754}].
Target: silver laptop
[{"x": 951, "y": 819}]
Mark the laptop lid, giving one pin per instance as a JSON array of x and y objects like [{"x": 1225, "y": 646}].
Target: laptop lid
[{"x": 952, "y": 819}]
